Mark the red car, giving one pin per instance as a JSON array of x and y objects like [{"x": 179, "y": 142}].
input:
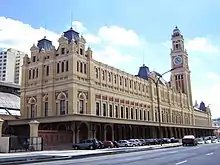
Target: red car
[{"x": 108, "y": 144}]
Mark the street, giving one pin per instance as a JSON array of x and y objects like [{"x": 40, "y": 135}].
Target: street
[{"x": 206, "y": 154}]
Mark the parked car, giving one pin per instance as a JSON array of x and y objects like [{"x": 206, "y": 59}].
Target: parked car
[
  {"x": 134, "y": 142},
  {"x": 200, "y": 141},
  {"x": 189, "y": 140},
  {"x": 115, "y": 143},
  {"x": 124, "y": 143},
  {"x": 86, "y": 144},
  {"x": 108, "y": 144},
  {"x": 100, "y": 145}
]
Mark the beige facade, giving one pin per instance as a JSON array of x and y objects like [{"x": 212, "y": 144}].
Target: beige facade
[{"x": 68, "y": 85}]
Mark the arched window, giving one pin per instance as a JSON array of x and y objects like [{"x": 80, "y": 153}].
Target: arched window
[
  {"x": 62, "y": 103},
  {"x": 45, "y": 106},
  {"x": 82, "y": 103},
  {"x": 33, "y": 108}
]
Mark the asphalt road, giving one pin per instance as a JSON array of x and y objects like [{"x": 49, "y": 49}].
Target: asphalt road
[{"x": 205, "y": 154}]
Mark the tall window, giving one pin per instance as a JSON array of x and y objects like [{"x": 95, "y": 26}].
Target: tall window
[
  {"x": 144, "y": 115},
  {"x": 132, "y": 114},
  {"x": 97, "y": 72},
  {"x": 81, "y": 67},
  {"x": 97, "y": 108},
  {"x": 122, "y": 112},
  {"x": 104, "y": 109},
  {"x": 62, "y": 107},
  {"x": 116, "y": 111},
  {"x": 46, "y": 109},
  {"x": 140, "y": 114},
  {"x": 58, "y": 67},
  {"x": 67, "y": 66},
  {"x": 47, "y": 70},
  {"x": 33, "y": 111},
  {"x": 62, "y": 67},
  {"x": 85, "y": 68},
  {"x": 63, "y": 104},
  {"x": 136, "y": 114},
  {"x": 81, "y": 106},
  {"x": 127, "y": 112},
  {"x": 110, "y": 110}
]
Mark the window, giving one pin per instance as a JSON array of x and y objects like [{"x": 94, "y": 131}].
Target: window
[
  {"x": 96, "y": 72},
  {"x": 46, "y": 109},
  {"x": 120, "y": 80},
  {"x": 104, "y": 109},
  {"x": 47, "y": 70},
  {"x": 62, "y": 67},
  {"x": 34, "y": 58},
  {"x": 37, "y": 73},
  {"x": 97, "y": 108},
  {"x": 127, "y": 112},
  {"x": 77, "y": 66},
  {"x": 144, "y": 115},
  {"x": 33, "y": 111},
  {"x": 67, "y": 66},
  {"x": 116, "y": 111},
  {"x": 125, "y": 82},
  {"x": 85, "y": 68},
  {"x": 122, "y": 112},
  {"x": 115, "y": 79},
  {"x": 136, "y": 114},
  {"x": 110, "y": 110},
  {"x": 62, "y": 50},
  {"x": 58, "y": 67},
  {"x": 29, "y": 74},
  {"x": 103, "y": 75},
  {"x": 81, "y": 106},
  {"x": 81, "y": 67},
  {"x": 140, "y": 114},
  {"x": 109, "y": 77},
  {"x": 81, "y": 51},
  {"x": 62, "y": 107},
  {"x": 132, "y": 114},
  {"x": 33, "y": 75}
]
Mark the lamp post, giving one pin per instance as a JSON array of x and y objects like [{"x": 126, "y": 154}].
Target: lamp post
[{"x": 156, "y": 82}]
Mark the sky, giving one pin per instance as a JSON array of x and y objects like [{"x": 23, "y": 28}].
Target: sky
[{"x": 126, "y": 34}]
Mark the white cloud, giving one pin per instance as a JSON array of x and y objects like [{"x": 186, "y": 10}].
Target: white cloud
[
  {"x": 201, "y": 44},
  {"x": 16, "y": 34},
  {"x": 119, "y": 36}
]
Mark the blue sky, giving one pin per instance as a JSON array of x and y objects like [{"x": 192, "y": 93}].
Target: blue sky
[{"x": 146, "y": 24}]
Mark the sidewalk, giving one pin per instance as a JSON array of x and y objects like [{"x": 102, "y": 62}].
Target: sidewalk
[{"x": 26, "y": 157}]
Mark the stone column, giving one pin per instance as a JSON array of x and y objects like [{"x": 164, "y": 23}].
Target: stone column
[
  {"x": 1, "y": 124},
  {"x": 35, "y": 143},
  {"x": 34, "y": 128}
]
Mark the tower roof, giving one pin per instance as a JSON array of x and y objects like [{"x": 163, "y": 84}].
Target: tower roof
[
  {"x": 143, "y": 72},
  {"x": 45, "y": 44},
  {"x": 71, "y": 35}
]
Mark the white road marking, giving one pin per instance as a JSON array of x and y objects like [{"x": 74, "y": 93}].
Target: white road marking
[
  {"x": 211, "y": 153},
  {"x": 181, "y": 162}
]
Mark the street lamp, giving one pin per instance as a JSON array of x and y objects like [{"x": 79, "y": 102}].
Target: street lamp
[{"x": 156, "y": 82}]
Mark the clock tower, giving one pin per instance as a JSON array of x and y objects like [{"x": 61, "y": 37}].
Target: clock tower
[{"x": 180, "y": 78}]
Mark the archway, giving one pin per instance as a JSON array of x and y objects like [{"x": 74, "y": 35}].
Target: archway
[
  {"x": 83, "y": 132},
  {"x": 108, "y": 132}
]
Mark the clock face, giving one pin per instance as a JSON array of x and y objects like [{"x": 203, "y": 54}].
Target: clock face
[{"x": 177, "y": 60}]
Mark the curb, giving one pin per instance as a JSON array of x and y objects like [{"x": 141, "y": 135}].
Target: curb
[{"x": 58, "y": 158}]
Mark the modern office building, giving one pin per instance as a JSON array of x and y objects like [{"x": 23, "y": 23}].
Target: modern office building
[
  {"x": 75, "y": 97},
  {"x": 11, "y": 62}
]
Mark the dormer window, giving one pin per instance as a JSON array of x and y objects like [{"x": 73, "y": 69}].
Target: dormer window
[
  {"x": 63, "y": 51},
  {"x": 34, "y": 58},
  {"x": 81, "y": 51}
]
